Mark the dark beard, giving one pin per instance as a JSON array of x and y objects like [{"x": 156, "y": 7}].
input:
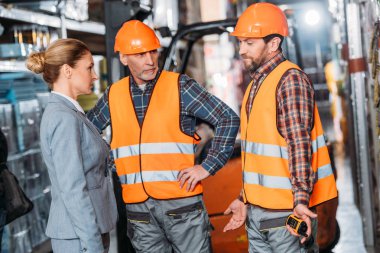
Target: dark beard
[{"x": 252, "y": 69}]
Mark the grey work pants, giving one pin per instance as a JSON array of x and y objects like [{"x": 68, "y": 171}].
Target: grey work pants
[
  {"x": 179, "y": 225},
  {"x": 275, "y": 240}
]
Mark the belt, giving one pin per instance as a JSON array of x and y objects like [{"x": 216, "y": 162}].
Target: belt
[{"x": 273, "y": 223}]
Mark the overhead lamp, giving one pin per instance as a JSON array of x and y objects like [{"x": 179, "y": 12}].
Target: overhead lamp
[
  {"x": 312, "y": 17},
  {"x": 230, "y": 29}
]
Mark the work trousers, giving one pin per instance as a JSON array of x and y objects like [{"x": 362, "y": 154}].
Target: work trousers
[
  {"x": 74, "y": 245},
  {"x": 164, "y": 226},
  {"x": 274, "y": 240}
]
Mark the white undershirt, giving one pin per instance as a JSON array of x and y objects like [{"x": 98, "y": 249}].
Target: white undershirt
[
  {"x": 73, "y": 101},
  {"x": 142, "y": 86}
]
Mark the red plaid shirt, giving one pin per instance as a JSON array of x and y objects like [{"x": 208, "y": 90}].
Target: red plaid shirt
[{"x": 295, "y": 98}]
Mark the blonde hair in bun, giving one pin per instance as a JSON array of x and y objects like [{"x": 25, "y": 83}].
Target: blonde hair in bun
[
  {"x": 60, "y": 52},
  {"x": 36, "y": 62}
]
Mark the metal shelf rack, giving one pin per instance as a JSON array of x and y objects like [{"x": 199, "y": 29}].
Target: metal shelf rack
[{"x": 51, "y": 21}]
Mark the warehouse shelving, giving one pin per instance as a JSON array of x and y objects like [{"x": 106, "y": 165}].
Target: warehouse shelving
[
  {"x": 33, "y": 17},
  {"x": 12, "y": 66},
  {"x": 51, "y": 21}
]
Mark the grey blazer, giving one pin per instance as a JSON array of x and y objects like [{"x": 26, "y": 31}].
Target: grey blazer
[{"x": 83, "y": 203}]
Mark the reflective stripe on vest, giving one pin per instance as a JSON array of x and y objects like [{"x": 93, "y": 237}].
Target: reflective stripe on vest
[
  {"x": 277, "y": 151},
  {"x": 265, "y": 155},
  {"x": 264, "y": 149},
  {"x": 281, "y": 182},
  {"x": 153, "y": 148},
  {"x": 318, "y": 143},
  {"x": 149, "y": 176},
  {"x": 149, "y": 157}
]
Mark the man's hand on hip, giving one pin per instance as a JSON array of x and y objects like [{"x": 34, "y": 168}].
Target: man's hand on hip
[
  {"x": 239, "y": 214},
  {"x": 301, "y": 211},
  {"x": 192, "y": 176}
]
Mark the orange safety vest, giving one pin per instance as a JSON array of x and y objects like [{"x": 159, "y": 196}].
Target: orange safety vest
[
  {"x": 149, "y": 158},
  {"x": 266, "y": 173}
]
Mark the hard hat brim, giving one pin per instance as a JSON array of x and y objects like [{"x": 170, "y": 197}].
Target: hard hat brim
[{"x": 137, "y": 50}]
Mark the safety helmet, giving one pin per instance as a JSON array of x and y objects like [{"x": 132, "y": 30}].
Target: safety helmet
[
  {"x": 135, "y": 37},
  {"x": 260, "y": 20}
]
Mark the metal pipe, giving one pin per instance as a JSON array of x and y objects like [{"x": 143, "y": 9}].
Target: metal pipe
[
  {"x": 61, "y": 10},
  {"x": 358, "y": 95}
]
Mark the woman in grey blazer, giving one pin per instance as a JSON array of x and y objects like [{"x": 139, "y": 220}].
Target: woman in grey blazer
[{"x": 83, "y": 208}]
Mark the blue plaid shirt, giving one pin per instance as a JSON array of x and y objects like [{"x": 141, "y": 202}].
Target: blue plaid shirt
[{"x": 196, "y": 102}]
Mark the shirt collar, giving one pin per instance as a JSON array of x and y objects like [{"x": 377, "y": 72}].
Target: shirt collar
[
  {"x": 150, "y": 83},
  {"x": 73, "y": 101},
  {"x": 268, "y": 66}
]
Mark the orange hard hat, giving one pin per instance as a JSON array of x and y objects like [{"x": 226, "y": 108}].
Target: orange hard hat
[
  {"x": 135, "y": 37},
  {"x": 260, "y": 20}
]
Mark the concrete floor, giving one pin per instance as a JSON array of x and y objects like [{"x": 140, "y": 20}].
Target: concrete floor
[{"x": 351, "y": 228}]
